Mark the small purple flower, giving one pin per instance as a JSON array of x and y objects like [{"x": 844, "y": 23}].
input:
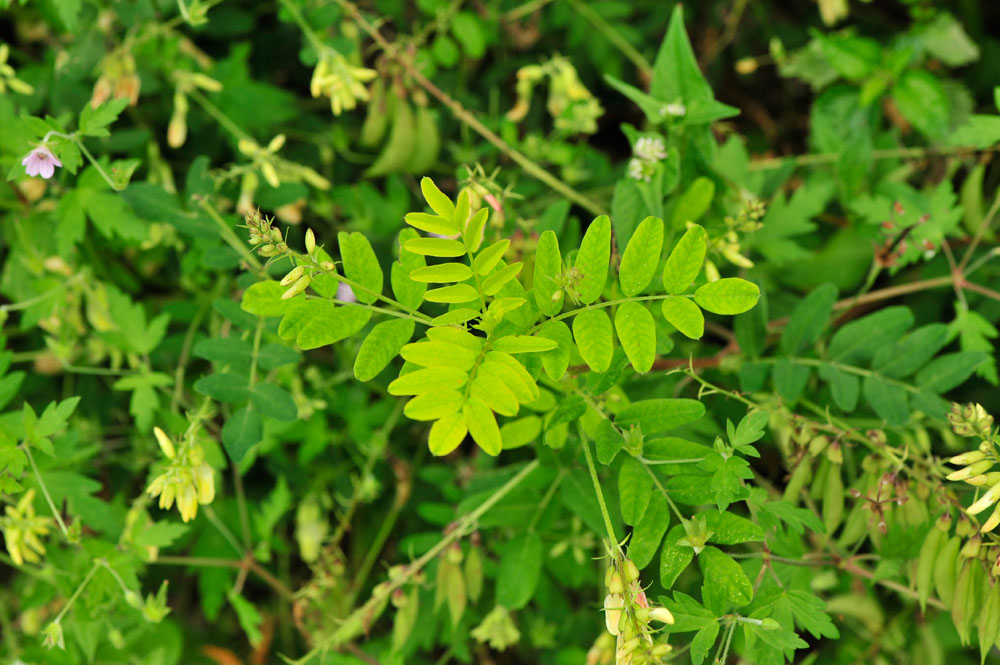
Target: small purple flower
[
  {"x": 345, "y": 293},
  {"x": 41, "y": 161}
]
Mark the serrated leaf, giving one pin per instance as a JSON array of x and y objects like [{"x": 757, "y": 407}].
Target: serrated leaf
[
  {"x": 637, "y": 333},
  {"x": 594, "y": 338},
  {"x": 729, "y": 295},
  {"x": 683, "y": 314},
  {"x": 94, "y": 122},
  {"x": 641, "y": 257}
]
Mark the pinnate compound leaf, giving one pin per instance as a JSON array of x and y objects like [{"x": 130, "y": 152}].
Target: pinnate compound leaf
[
  {"x": 594, "y": 339},
  {"x": 592, "y": 259},
  {"x": 637, "y": 333},
  {"x": 684, "y": 262},
  {"x": 641, "y": 257},
  {"x": 361, "y": 265},
  {"x": 635, "y": 486},
  {"x": 380, "y": 346},
  {"x": 730, "y": 295},
  {"x": 683, "y": 314}
]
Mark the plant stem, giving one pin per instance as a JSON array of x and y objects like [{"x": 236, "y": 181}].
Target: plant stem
[
  {"x": 76, "y": 594},
  {"x": 220, "y": 117},
  {"x": 468, "y": 118},
  {"x": 889, "y": 153},
  {"x": 45, "y": 490},
  {"x": 232, "y": 240},
  {"x": 615, "y": 37},
  {"x": 597, "y": 490},
  {"x": 356, "y": 623}
]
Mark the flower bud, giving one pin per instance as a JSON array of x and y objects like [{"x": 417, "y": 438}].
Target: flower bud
[
  {"x": 310, "y": 242},
  {"x": 660, "y": 650},
  {"x": 613, "y": 605},
  {"x": 971, "y": 470},
  {"x": 165, "y": 444},
  {"x": 968, "y": 458},
  {"x": 613, "y": 581},
  {"x": 769, "y": 624},
  {"x": 971, "y": 548},
  {"x": 54, "y": 636},
  {"x": 292, "y": 275},
  {"x": 631, "y": 572},
  {"x": 134, "y": 599},
  {"x": 276, "y": 143},
  {"x": 661, "y": 614},
  {"x": 298, "y": 287},
  {"x": 985, "y": 501},
  {"x": 276, "y": 235},
  {"x": 992, "y": 522}
]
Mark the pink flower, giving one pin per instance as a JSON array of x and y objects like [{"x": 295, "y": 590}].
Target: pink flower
[
  {"x": 345, "y": 293},
  {"x": 41, "y": 161}
]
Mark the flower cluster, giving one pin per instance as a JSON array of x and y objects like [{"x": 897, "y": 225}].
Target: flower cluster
[
  {"x": 972, "y": 420},
  {"x": 573, "y": 108},
  {"x": 648, "y": 151},
  {"x": 627, "y": 615},
  {"x": 344, "y": 84},
  {"x": 186, "y": 478},
  {"x": 22, "y": 530},
  {"x": 119, "y": 79}
]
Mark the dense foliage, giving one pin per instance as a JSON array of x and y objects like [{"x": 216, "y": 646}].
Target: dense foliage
[{"x": 555, "y": 332}]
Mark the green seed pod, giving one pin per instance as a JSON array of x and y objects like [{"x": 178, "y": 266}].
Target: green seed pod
[
  {"x": 474, "y": 573},
  {"x": 800, "y": 476},
  {"x": 925, "y": 564},
  {"x": 818, "y": 444},
  {"x": 971, "y": 548},
  {"x": 988, "y": 621},
  {"x": 946, "y": 570},
  {"x": 298, "y": 287},
  {"x": 833, "y": 499}
]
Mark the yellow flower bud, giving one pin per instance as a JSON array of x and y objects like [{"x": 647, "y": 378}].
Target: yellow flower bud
[
  {"x": 310, "y": 242},
  {"x": 166, "y": 445},
  {"x": 968, "y": 458},
  {"x": 270, "y": 174},
  {"x": 661, "y": 614},
  {"x": 985, "y": 501},
  {"x": 613, "y": 605},
  {"x": 297, "y": 288},
  {"x": 276, "y": 143},
  {"x": 292, "y": 275}
]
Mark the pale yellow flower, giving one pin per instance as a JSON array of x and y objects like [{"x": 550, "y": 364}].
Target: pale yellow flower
[
  {"x": 22, "y": 530},
  {"x": 186, "y": 479}
]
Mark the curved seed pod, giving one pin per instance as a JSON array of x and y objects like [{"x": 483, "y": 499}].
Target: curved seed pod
[
  {"x": 833, "y": 499},
  {"x": 855, "y": 526},
  {"x": 946, "y": 570},
  {"x": 925, "y": 564},
  {"x": 800, "y": 476},
  {"x": 988, "y": 621}
]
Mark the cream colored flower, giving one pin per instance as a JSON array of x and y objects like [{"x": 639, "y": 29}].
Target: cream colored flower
[
  {"x": 186, "y": 479},
  {"x": 22, "y": 530}
]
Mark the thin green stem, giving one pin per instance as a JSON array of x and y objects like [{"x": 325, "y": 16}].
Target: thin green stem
[
  {"x": 220, "y": 117},
  {"x": 100, "y": 169},
  {"x": 613, "y": 36},
  {"x": 45, "y": 490},
  {"x": 232, "y": 239},
  {"x": 224, "y": 530},
  {"x": 889, "y": 153},
  {"x": 357, "y": 622},
  {"x": 981, "y": 230},
  {"x": 307, "y": 30},
  {"x": 601, "y": 305},
  {"x": 76, "y": 594},
  {"x": 597, "y": 490},
  {"x": 41, "y": 297}
]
